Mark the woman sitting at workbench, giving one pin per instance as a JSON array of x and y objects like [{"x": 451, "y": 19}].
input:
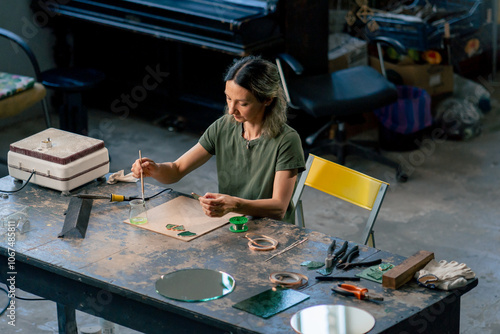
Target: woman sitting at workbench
[{"x": 258, "y": 154}]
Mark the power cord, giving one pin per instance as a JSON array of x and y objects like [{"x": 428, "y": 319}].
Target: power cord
[
  {"x": 24, "y": 185},
  {"x": 148, "y": 198},
  {"x": 30, "y": 299},
  {"x": 21, "y": 298},
  {"x": 33, "y": 173}
]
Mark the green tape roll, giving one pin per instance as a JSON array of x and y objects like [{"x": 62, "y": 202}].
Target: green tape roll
[{"x": 238, "y": 224}]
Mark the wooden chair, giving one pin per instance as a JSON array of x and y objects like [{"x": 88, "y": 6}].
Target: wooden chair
[
  {"x": 344, "y": 183},
  {"x": 16, "y": 103}
]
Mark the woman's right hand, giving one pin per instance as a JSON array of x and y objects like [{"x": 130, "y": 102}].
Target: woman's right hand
[{"x": 148, "y": 168}]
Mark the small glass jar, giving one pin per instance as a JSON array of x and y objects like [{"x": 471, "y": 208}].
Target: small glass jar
[{"x": 138, "y": 212}]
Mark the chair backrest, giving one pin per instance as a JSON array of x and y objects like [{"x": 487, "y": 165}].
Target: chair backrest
[
  {"x": 24, "y": 46},
  {"x": 34, "y": 63},
  {"x": 344, "y": 183}
]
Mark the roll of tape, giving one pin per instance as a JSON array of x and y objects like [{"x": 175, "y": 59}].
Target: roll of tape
[
  {"x": 238, "y": 224},
  {"x": 288, "y": 279},
  {"x": 256, "y": 242}
]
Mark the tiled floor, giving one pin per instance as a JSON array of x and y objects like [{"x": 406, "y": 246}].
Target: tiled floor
[{"x": 449, "y": 206}]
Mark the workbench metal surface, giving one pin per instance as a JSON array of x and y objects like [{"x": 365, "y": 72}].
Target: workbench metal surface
[{"x": 112, "y": 272}]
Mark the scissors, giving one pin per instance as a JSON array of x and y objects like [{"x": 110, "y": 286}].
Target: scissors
[{"x": 356, "y": 291}]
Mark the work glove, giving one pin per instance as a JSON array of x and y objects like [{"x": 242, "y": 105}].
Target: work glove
[
  {"x": 444, "y": 275},
  {"x": 120, "y": 176}
]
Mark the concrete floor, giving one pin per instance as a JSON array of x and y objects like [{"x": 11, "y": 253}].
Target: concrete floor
[{"x": 449, "y": 206}]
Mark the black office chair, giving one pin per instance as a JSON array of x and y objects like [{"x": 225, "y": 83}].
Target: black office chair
[
  {"x": 71, "y": 82},
  {"x": 341, "y": 97}
]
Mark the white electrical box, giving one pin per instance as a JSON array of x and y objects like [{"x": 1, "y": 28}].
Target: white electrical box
[{"x": 61, "y": 160}]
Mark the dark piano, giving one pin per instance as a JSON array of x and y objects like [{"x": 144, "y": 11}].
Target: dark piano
[
  {"x": 192, "y": 40},
  {"x": 237, "y": 27}
]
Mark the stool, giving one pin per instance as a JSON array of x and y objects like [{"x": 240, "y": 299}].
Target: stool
[{"x": 72, "y": 82}]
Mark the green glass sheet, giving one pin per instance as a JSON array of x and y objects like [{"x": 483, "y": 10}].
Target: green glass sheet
[
  {"x": 374, "y": 273},
  {"x": 271, "y": 302},
  {"x": 312, "y": 264}
]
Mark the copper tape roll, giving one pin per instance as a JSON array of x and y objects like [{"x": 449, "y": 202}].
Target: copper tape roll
[
  {"x": 254, "y": 244},
  {"x": 288, "y": 279}
]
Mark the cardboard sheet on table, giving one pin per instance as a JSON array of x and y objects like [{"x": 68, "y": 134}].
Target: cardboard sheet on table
[{"x": 182, "y": 211}]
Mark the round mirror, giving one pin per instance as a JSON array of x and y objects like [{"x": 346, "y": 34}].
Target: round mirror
[
  {"x": 332, "y": 319},
  {"x": 195, "y": 285}
]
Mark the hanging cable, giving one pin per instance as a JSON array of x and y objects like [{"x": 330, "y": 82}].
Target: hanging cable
[
  {"x": 30, "y": 299},
  {"x": 8, "y": 302},
  {"x": 10, "y": 299}
]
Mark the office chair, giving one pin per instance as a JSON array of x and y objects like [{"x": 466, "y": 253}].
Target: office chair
[
  {"x": 71, "y": 82},
  {"x": 344, "y": 183},
  {"x": 342, "y": 96},
  {"x": 21, "y": 101}
]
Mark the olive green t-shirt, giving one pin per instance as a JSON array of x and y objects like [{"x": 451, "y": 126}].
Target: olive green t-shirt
[{"x": 249, "y": 172}]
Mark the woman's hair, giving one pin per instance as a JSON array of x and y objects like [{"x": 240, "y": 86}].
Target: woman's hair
[{"x": 261, "y": 78}]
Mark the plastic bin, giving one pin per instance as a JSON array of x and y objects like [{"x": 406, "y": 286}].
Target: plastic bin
[
  {"x": 402, "y": 122},
  {"x": 419, "y": 35}
]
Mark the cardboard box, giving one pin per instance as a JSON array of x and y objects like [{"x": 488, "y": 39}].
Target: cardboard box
[
  {"x": 435, "y": 79},
  {"x": 346, "y": 51}
]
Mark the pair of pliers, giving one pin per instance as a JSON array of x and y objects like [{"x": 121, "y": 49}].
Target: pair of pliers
[
  {"x": 342, "y": 258},
  {"x": 348, "y": 256},
  {"x": 356, "y": 291},
  {"x": 348, "y": 264},
  {"x": 333, "y": 257}
]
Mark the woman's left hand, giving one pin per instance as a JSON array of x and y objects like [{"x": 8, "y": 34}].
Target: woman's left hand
[{"x": 217, "y": 205}]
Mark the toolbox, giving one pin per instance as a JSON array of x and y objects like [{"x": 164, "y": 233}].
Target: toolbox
[
  {"x": 469, "y": 15},
  {"x": 58, "y": 159}
]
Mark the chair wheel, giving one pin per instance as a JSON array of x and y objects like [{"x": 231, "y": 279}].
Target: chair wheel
[{"x": 401, "y": 176}]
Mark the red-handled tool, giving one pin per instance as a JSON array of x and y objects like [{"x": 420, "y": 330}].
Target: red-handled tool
[{"x": 356, "y": 291}]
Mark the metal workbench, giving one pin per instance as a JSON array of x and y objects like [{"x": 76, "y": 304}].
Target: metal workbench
[{"x": 111, "y": 273}]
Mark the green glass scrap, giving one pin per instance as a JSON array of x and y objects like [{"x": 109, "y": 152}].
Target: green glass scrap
[
  {"x": 375, "y": 273},
  {"x": 325, "y": 271},
  {"x": 186, "y": 234},
  {"x": 175, "y": 227},
  {"x": 312, "y": 264}
]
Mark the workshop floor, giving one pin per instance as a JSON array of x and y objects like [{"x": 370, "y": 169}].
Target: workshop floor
[{"x": 449, "y": 206}]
